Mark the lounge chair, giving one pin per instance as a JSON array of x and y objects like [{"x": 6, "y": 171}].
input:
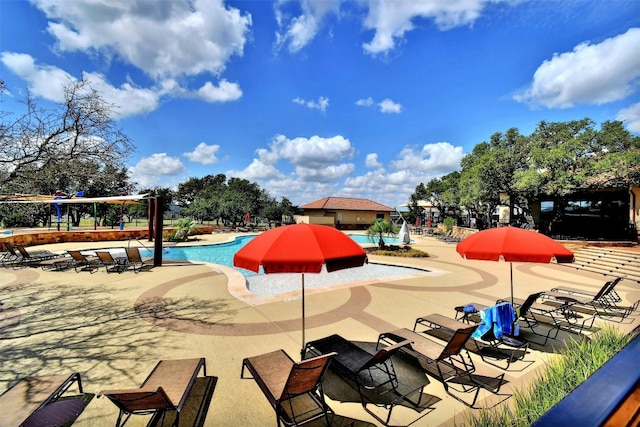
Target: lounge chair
[
  {"x": 9, "y": 256},
  {"x": 609, "y": 293},
  {"x": 82, "y": 262},
  {"x": 294, "y": 390},
  {"x": 603, "y": 303},
  {"x": 135, "y": 259},
  {"x": 558, "y": 315},
  {"x": 449, "y": 363},
  {"x": 110, "y": 263},
  {"x": 36, "y": 255},
  {"x": 489, "y": 349},
  {"x": 35, "y": 401},
  {"x": 165, "y": 389},
  {"x": 369, "y": 372}
]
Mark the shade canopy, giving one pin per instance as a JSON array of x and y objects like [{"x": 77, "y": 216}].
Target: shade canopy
[
  {"x": 300, "y": 248},
  {"x": 513, "y": 244}
]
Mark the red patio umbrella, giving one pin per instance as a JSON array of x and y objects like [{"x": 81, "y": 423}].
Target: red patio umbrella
[
  {"x": 300, "y": 248},
  {"x": 513, "y": 244}
]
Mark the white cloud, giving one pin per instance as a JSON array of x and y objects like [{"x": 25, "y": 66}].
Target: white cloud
[
  {"x": 371, "y": 161},
  {"x": 45, "y": 81},
  {"x": 48, "y": 82},
  {"x": 321, "y": 104},
  {"x": 298, "y": 31},
  {"x": 388, "y": 106},
  {"x": 365, "y": 102},
  {"x": 258, "y": 171},
  {"x": 300, "y": 167},
  {"x": 432, "y": 159},
  {"x": 330, "y": 173},
  {"x": 164, "y": 39},
  {"x": 150, "y": 171},
  {"x": 224, "y": 92},
  {"x": 313, "y": 152},
  {"x": 203, "y": 153},
  {"x": 590, "y": 74},
  {"x": 631, "y": 117},
  {"x": 392, "y": 19},
  {"x": 389, "y": 19}
]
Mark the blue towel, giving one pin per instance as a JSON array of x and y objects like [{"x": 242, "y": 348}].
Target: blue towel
[
  {"x": 469, "y": 308},
  {"x": 501, "y": 317}
]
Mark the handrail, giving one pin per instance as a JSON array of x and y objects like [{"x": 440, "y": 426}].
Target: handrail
[{"x": 141, "y": 244}]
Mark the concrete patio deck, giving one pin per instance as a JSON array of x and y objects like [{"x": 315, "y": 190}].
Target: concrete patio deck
[{"x": 113, "y": 328}]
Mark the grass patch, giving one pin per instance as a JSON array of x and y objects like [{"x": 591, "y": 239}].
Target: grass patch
[
  {"x": 401, "y": 251},
  {"x": 563, "y": 374}
]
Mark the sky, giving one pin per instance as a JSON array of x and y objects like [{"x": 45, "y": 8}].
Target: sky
[{"x": 318, "y": 98}]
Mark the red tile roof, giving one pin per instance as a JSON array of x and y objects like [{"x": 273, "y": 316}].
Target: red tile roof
[{"x": 346, "y": 203}]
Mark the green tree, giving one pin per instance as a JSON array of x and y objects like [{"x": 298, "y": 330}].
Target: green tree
[{"x": 380, "y": 228}]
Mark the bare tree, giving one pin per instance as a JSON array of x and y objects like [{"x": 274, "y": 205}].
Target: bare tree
[{"x": 81, "y": 128}]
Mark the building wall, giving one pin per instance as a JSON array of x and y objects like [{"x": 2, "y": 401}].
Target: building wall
[{"x": 345, "y": 218}]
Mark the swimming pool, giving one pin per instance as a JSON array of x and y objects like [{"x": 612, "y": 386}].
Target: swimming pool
[
  {"x": 363, "y": 239},
  {"x": 263, "y": 285},
  {"x": 222, "y": 253}
]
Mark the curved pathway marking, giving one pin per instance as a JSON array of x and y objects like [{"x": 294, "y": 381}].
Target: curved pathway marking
[{"x": 149, "y": 308}]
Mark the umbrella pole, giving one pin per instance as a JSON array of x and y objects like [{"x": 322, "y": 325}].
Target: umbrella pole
[
  {"x": 303, "y": 322},
  {"x": 510, "y": 277}
]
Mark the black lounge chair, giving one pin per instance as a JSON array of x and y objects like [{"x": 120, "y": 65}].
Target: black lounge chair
[
  {"x": 166, "y": 389},
  {"x": 294, "y": 389},
  {"x": 449, "y": 363},
  {"x": 558, "y": 315},
  {"x": 373, "y": 374},
  {"x": 607, "y": 291},
  {"x": 36, "y": 401},
  {"x": 603, "y": 303}
]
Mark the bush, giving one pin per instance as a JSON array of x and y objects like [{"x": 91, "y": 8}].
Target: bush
[
  {"x": 449, "y": 223},
  {"x": 563, "y": 374}
]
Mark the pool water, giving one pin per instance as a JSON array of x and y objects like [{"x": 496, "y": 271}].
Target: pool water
[
  {"x": 273, "y": 284},
  {"x": 222, "y": 253},
  {"x": 362, "y": 239}
]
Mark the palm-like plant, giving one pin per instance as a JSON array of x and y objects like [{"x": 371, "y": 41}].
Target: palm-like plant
[
  {"x": 380, "y": 227},
  {"x": 185, "y": 228}
]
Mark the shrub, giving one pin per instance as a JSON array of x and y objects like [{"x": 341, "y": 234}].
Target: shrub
[
  {"x": 577, "y": 362},
  {"x": 449, "y": 223}
]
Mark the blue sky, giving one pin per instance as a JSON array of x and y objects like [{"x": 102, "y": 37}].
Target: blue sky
[{"x": 324, "y": 98}]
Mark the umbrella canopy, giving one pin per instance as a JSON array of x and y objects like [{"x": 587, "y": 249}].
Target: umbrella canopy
[
  {"x": 300, "y": 248},
  {"x": 513, "y": 244},
  {"x": 404, "y": 235}
]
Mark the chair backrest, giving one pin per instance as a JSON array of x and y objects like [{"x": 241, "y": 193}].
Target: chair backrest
[
  {"x": 139, "y": 400},
  {"x": 133, "y": 254},
  {"x": 605, "y": 289},
  {"x": 526, "y": 305},
  {"x": 105, "y": 257},
  {"x": 23, "y": 251},
  {"x": 306, "y": 375},
  {"x": 10, "y": 248},
  {"x": 383, "y": 354},
  {"x": 76, "y": 255},
  {"x": 457, "y": 341}
]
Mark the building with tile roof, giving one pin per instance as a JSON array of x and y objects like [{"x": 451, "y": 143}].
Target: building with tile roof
[{"x": 344, "y": 212}]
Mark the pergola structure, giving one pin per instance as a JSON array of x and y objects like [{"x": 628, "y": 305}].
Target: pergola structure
[{"x": 155, "y": 214}]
